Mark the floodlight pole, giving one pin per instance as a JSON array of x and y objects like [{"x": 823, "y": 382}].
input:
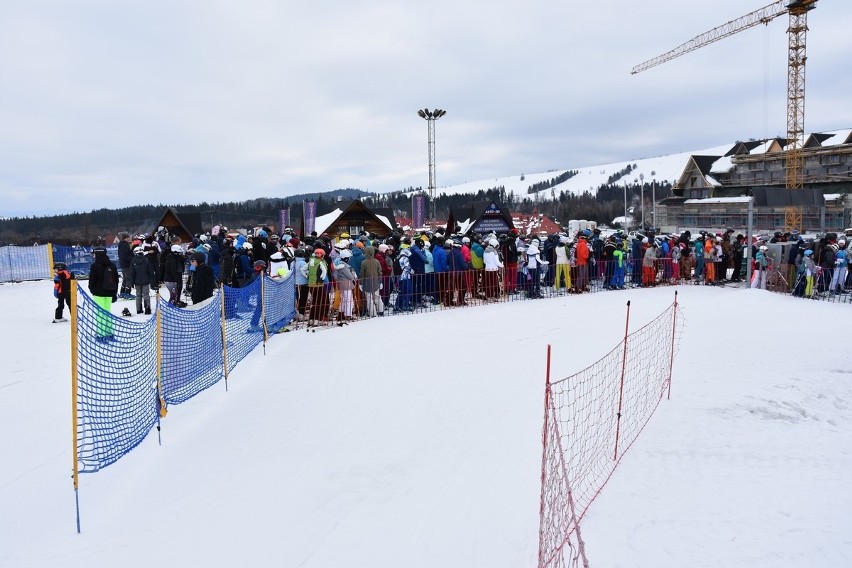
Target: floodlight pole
[
  {"x": 642, "y": 194},
  {"x": 430, "y": 117},
  {"x": 654, "y": 203}
]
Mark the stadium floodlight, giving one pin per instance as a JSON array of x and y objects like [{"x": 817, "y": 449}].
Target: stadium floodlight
[{"x": 430, "y": 117}]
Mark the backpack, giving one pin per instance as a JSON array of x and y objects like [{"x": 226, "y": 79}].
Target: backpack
[
  {"x": 397, "y": 267},
  {"x": 109, "y": 281}
]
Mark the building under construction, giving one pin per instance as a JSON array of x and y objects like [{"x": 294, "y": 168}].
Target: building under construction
[{"x": 714, "y": 192}]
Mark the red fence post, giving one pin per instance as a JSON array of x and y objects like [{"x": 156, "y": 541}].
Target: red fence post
[
  {"x": 544, "y": 431},
  {"x": 671, "y": 359},
  {"x": 621, "y": 388}
]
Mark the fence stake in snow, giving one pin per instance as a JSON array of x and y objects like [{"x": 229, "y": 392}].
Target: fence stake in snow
[{"x": 621, "y": 388}]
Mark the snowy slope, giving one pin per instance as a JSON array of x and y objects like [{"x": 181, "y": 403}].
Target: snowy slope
[
  {"x": 415, "y": 442},
  {"x": 661, "y": 168}
]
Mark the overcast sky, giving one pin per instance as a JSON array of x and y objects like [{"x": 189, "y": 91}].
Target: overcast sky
[{"x": 106, "y": 104}]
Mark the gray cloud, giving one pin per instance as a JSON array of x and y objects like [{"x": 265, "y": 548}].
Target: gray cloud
[{"x": 106, "y": 104}]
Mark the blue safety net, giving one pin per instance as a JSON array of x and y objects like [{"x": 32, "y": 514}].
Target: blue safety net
[
  {"x": 192, "y": 350},
  {"x": 279, "y": 299},
  {"x": 79, "y": 259},
  {"x": 118, "y": 397},
  {"x": 25, "y": 263},
  {"x": 117, "y": 402},
  {"x": 243, "y": 324}
]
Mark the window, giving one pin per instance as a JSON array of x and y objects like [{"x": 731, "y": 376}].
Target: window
[
  {"x": 355, "y": 230},
  {"x": 755, "y": 166}
]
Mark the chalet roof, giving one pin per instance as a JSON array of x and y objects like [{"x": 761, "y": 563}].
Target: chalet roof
[
  {"x": 816, "y": 139},
  {"x": 185, "y": 225},
  {"x": 743, "y": 147},
  {"x": 837, "y": 137},
  {"x": 705, "y": 163},
  {"x": 383, "y": 215}
]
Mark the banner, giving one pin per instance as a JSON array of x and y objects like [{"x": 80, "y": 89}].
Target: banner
[
  {"x": 418, "y": 210},
  {"x": 309, "y": 218},
  {"x": 283, "y": 219}
]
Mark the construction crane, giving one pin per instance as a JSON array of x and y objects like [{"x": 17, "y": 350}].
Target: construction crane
[{"x": 797, "y": 32}]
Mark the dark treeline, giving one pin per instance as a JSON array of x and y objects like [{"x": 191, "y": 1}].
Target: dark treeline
[{"x": 94, "y": 226}]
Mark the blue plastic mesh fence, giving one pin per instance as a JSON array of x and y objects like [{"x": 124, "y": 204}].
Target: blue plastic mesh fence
[
  {"x": 243, "y": 327},
  {"x": 192, "y": 350},
  {"x": 25, "y": 263},
  {"x": 117, "y": 398},
  {"x": 117, "y": 403},
  {"x": 78, "y": 259},
  {"x": 279, "y": 298}
]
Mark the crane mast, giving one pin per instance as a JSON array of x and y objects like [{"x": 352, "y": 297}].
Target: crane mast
[{"x": 796, "y": 57}]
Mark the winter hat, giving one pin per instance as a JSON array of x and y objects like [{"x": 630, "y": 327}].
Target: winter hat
[
  {"x": 808, "y": 252},
  {"x": 294, "y": 242},
  {"x": 198, "y": 257},
  {"x": 139, "y": 250},
  {"x": 345, "y": 254},
  {"x": 383, "y": 248}
]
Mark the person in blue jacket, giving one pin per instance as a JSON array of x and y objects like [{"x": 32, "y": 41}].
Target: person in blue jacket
[
  {"x": 439, "y": 263},
  {"x": 456, "y": 272},
  {"x": 417, "y": 260}
]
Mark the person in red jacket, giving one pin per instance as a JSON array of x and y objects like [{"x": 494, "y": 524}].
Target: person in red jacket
[{"x": 582, "y": 252}]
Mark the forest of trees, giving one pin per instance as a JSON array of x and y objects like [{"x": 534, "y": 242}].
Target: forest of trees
[{"x": 92, "y": 227}]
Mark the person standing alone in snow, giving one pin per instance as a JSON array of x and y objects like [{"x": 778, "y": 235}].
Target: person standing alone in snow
[{"x": 61, "y": 290}]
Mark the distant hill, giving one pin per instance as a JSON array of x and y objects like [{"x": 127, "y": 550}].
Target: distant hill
[{"x": 591, "y": 192}]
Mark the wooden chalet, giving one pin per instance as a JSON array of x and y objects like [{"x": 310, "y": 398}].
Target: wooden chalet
[{"x": 354, "y": 217}]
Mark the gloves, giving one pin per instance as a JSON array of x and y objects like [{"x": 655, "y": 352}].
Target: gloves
[{"x": 114, "y": 298}]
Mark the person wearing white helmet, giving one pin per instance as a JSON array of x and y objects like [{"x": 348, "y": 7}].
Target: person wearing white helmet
[
  {"x": 493, "y": 265},
  {"x": 244, "y": 264},
  {"x": 344, "y": 279},
  {"x": 173, "y": 263},
  {"x": 141, "y": 276},
  {"x": 533, "y": 264},
  {"x": 841, "y": 263},
  {"x": 761, "y": 265}
]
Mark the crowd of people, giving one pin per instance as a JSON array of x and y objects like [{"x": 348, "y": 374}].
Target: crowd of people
[{"x": 346, "y": 276}]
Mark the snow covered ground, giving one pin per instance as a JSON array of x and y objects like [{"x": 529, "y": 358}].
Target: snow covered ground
[{"x": 416, "y": 442}]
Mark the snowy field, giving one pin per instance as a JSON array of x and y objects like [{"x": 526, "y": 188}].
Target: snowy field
[{"x": 416, "y": 442}]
